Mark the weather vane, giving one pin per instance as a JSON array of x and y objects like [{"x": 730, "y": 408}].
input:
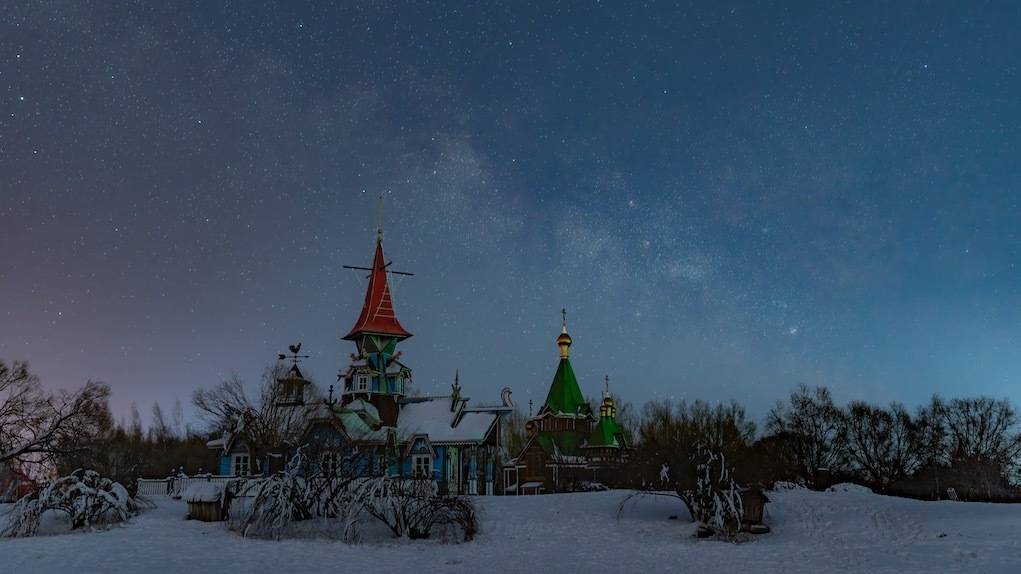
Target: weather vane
[{"x": 294, "y": 356}]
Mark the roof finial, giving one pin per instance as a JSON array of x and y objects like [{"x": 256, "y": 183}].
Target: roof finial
[
  {"x": 607, "y": 409},
  {"x": 379, "y": 224},
  {"x": 564, "y": 340},
  {"x": 455, "y": 391}
]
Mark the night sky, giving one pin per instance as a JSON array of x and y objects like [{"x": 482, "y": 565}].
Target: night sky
[{"x": 729, "y": 199}]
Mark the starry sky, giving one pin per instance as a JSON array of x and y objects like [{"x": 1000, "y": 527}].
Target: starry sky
[{"x": 730, "y": 199}]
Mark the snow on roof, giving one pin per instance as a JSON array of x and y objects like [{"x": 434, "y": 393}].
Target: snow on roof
[
  {"x": 357, "y": 429},
  {"x": 220, "y": 443},
  {"x": 394, "y": 367},
  {"x": 432, "y": 416},
  {"x": 202, "y": 492},
  {"x": 360, "y": 405}
]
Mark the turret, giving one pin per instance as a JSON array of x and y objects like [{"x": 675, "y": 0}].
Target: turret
[
  {"x": 292, "y": 387},
  {"x": 376, "y": 374}
]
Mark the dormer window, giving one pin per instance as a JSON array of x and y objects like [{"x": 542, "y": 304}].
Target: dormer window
[{"x": 362, "y": 383}]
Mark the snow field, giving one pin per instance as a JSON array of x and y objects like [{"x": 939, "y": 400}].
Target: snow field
[{"x": 848, "y": 531}]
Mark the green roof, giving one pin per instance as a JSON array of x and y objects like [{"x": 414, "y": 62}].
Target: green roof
[
  {"x": 564, "y": 394},
  {"x": 605, "y": 433},
  {"x": 566, "y": 443}
]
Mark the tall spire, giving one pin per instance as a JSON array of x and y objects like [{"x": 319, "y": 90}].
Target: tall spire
[{"x": 378, "y": 316}]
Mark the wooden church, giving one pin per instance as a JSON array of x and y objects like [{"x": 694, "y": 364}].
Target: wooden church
[
  {"x": 375, "y": 424},
  {"x": 568, "y": 448}
]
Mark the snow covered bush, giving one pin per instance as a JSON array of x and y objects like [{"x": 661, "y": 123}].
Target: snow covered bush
[
  {"x": 277, "y": 501},
  {"x": 85, "y": 498},
  {"x": 715, "y": 502},
  {"x": 412, "y": 507},
  {"x": 849, "y": 487},
  {"x": 336, "y": 504},
  {"x": 298, "y": 493}
]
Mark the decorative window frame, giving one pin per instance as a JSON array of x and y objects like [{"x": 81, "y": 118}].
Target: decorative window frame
[
  {"x": 329, "y": 462},
  {"x": 241, "y": 464},
  {"x": 422, "y": 465}
]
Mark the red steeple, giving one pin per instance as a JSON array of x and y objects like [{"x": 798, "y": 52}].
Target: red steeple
[{"x": 378, "y": 316}]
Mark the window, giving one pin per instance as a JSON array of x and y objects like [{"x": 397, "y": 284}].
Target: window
[
  {"x": 329, "y": 463},
  {"x": 242, "y": 465},
  {"x": 422, "y": 465},
  {"x": 362, "y": 383}
]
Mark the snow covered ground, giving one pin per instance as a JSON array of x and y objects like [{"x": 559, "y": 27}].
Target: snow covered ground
[{"x": 812, "y": 532}]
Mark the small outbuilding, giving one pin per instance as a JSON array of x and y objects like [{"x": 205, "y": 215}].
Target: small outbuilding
[
  {"x": 753, "y": 503},
  {"x": 207, "y": 501}
]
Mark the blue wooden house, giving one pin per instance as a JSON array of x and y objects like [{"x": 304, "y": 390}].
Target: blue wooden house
[{"x": 374, "y": 423}]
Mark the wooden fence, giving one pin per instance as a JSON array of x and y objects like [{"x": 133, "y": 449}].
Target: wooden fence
[{"x": 173, "y": 486}]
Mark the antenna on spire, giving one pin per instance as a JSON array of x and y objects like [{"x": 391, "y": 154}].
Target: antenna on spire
[
  {"x": 379, "y": 223},
  {"x": 563, "y": 314},
  {"x": 606, "y": 386}
]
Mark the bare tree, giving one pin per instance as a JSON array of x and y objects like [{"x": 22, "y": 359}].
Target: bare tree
[
  {"x": 668, "y": 438},
  {"x": 882, "y": 445},
  {"x": 267, "y": 422},
  {"x": 136, "y": 423},
  {"x": 178, "y": 427},
  {"x": 982, "y": 429},
  {"x": 36, "y": 425},
  {"x": 814, "y": 429},
  {"x": 159, "y": 430}
]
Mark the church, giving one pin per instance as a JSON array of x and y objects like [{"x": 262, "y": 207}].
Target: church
[
  {"x": 375, "y": 421},
  {"x": 567, "y": 447}
]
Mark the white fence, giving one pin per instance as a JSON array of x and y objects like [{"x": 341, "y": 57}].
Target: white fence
[{"x": 172, "y": 486}]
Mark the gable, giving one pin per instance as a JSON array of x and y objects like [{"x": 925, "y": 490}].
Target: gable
[
  {"x": 326, "y": 435},
  {"x": 419, "y": 444}
]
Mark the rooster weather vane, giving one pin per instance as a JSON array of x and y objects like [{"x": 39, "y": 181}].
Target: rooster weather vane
[{"x": 294, "y": 356}]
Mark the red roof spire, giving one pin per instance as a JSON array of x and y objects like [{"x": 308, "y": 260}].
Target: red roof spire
[{"x": 378, "y": 316}]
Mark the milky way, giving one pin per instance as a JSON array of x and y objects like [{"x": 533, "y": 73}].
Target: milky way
[{"x": 728, "y": 200}]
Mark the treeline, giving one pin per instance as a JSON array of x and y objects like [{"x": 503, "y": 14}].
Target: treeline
[
  {"x": 46, "y": 434},
  {"x": 969, "y": 448},
  {"x": 125, "y": 450}
]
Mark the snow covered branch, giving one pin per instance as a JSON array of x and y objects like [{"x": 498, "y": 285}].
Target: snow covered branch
[{"x": 85, "y": 498}]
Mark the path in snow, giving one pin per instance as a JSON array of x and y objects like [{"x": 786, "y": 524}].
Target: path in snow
[{"x": 812, "y": 532}]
